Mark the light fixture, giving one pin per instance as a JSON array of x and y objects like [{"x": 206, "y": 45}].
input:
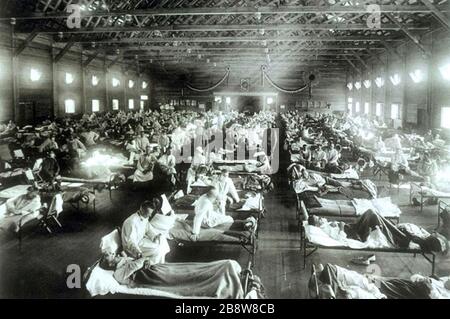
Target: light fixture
[
  {"x": 130, "y": 84},
  {"x": 379, "y": 81},
  {"x": 367, "y": 84},
  {"x": 445, "y": 71},
  {"x": 270, "y": 100},
  {"x": 350, "y": 86},
  {"x": 115, "y": 82},
  {"x": 417, "y": 76},
  {"x": 358, "y": 85},
  {"x": 395, "y": 79},
  {"x": 69, "y": 78},
  {"x": 94, "y": 80}
]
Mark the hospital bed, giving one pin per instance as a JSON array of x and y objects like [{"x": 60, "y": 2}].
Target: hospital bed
[
  {"x": 425, "y": 193},
  {"x": 437, "y": 283},
  {"x": 100, "y": 282},
  {"x": 346, "y": 209},
  {"x": 313, "y": 241}
]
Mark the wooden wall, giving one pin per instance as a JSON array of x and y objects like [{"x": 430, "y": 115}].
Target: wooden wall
[
  {"x": 48, "y": 95},
  {"x": 420, "y": 102}
]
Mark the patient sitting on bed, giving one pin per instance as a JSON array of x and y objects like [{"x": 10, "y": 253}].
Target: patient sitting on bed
[
  {"x": 207, "y": 216},
  {"x": 309, "y": 181},
  {"x": 220, "y": 279},
  {"x": 370, "y": 221},
  {"x": 22, "y": 209},
  {"x": 335, "y": 282}
]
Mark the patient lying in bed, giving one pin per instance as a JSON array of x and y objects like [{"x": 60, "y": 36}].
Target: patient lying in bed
[
  {"x": 334, "y": 282},
  {"x": 219, "y": 279},
  {"x": 374, "y": 231}
]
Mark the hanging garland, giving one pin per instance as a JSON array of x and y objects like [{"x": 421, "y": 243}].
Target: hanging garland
[
  {"x": 225, "y": 77},
  {"x": 266, "y": 76}
]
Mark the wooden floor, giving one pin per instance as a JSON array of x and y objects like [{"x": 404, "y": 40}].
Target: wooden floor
[{"x": 39, "y": 270}]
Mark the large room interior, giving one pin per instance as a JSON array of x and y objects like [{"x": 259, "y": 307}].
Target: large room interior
[{"x": 285, "y": 149}]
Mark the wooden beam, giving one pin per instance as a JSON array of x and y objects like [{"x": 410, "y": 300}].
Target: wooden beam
[
  {"x": 25, "y": 43},
  {"x": 439, "y": 15},
  {"x": 63, "y": 51},
  {"x": 245, "y": 10},
  {"x": 412, "y": 37},
  {"x": 236, "y": 39},
  {"x": 90, "y": 59},
  {"x": 114, "y": 61},
  {"x": 233, "y": 27},
  {"x": 353, "y": 65}
]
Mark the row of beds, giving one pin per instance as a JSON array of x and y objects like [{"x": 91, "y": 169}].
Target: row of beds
[
  {"x": 338, "y": 204},
  {"x": 221, "y": 236},
  {"x": 77, "y": 191}
]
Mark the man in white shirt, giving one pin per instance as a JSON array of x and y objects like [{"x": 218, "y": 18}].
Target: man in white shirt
[
  {"x": 138, "y": 237},
  {"x": 206, "y": 215},
  {"x": 225, "y": 186}
]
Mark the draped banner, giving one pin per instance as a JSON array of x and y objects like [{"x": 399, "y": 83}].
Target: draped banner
[
  {"x": 225, "y": 77},
  {"x": 289, "y": 91}
]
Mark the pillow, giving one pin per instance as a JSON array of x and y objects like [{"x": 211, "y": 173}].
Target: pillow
[
  {"x": 101, "y": 282},
  {"x": 111, "y": 242},
  {"x": 163, "y": 223}
]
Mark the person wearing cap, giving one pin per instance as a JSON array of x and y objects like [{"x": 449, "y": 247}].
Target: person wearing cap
[
  {"x": 139, "y": 238},
  {"x": 225, "y": 186},
  {"x": 21, "y": 209}
]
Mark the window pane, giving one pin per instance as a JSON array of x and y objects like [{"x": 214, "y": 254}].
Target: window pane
[
  {"x": 395, "y": 112},
  {"x": 69, "y": 106},
  {"x": 445, "y": 117},
  {"x": 115, "y": 104},
  {"x": 131, "y": 104},
  {"x": 95, "y": 105}
]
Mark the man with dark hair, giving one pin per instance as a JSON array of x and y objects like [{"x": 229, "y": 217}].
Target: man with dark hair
[
  {"x": 138, "y": 238},
  {"x": 21, "y": 209}
]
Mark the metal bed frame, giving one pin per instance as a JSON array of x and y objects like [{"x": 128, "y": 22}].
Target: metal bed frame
[
  {"x": 305, "y": 244},
  {"x": 423, "y": 196},
  {"x": 246, "y": 275}
]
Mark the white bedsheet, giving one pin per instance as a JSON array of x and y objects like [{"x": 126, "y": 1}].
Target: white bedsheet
[
  {"x": 376, "y": 239},
  {"x": 382, "y": 206}
]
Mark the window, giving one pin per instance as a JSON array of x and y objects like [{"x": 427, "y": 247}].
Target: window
[
  {"x": 228, "y": 100},
  {"x": 445, "y": 117},
  {"x": 69, "y": 106},
  {"x": 395, "y": 79},
  {"x": 357, "y": 107},
  {"x": 270, "y": 100},
  {"x": 142, "y": 105},
  {"x": 350, "y": 105},
  {"x": 367, "y": 84},
  {"x": 115, "y": 82},
  {"x": 358, "y": 85},
  {"x": 94, "y": 80},
  {"x": 35, "y": 75},
  {"x": 445, "y": 71},
  {"x": 115, "y": 104},
  {"x": 130, "y": 84},
  {"x": 69, "y": 78},
  {"x": 379, "y": 109},
  {"x": 144, "y": 85},
  {"x": 366, "y": 108},
  {"x": 131, "y": 104},
  {"x": 144, "y": 97},
  {"x": 417, "y": 76},
  {"x": 95, "y": 105},
  {"x": 350, "y": 86},
  {"x": 395, "y": 111},
  {"x": 379, "y": 81}
]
